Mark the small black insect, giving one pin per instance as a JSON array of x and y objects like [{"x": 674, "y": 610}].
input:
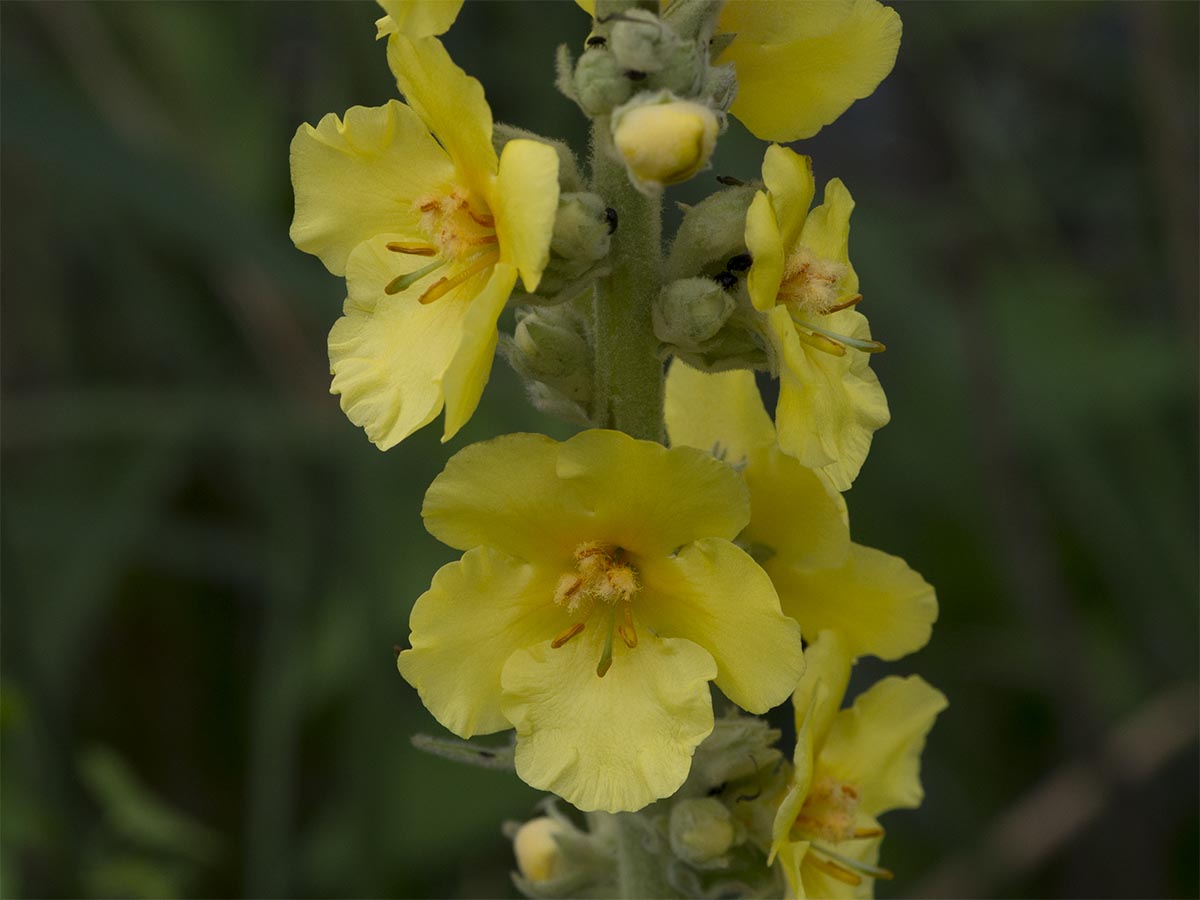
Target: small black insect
[
  {"x": 610, "y": 216},
  {"x": 635, "y": 75},
  {"x": 730, "y": 180},
  {"x": 726, "y": 280},
  {"x": 597, "y": 40},
  {"x": 739, "y": 263}
]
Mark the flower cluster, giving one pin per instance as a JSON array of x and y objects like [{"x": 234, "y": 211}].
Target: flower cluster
[{"x": 686, "y": 539}]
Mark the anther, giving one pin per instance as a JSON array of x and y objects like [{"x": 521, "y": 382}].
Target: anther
[
  {"x": 860, "y": 833},
  {"x": 739, "y": 263},
  {"x": 412, "y": 249},
  {"x": 404, "y": 282},
  {"x": 567, "y": 635},
  {"x": 430, "y": 206},
  {"x": 824, "y": 344},
  {"x": 626, "y": 630},
  {"x": 444, "y": 285},
  {"x": 856, "y": 343},
  {"x": 483, "y": 219},
  {"x": 845, "y": 304},
  {"x": 833, "y": 870},
  {"x": 848, "y": 865}
]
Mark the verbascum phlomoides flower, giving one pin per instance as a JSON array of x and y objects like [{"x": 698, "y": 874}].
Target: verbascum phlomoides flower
[
  {"x": 849, "y": 767},
  {"x": 801, "y": 63},
  {"x": 801, "y": 280},
  {"x": 599, "y": 595},
  {"x": 798, "y": 530},
  {"x": 431, "y": 229}
]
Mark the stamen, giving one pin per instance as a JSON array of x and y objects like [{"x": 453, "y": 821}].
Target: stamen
[
  {"x": 567, "y": 635},
  {"x": 404, "y": 282},
  {"x": 444, "y": 285},
  {"x": 412, "y": 249},
  {"x": 856, "y": 865},
  {"x": 833, "y": 870},
  {"x": 430, "y": 206},
  {"x": 606, "y": 657},
  {"x": 626, "y": 630},
  {"x": 485, "y": 239},
  {"x": 824, "y": 344},
  {"x": 856, "y": 343},
  {"x": 860, "y": 833},
  {"x": 483, "y": 219},
  {"x": 845, "y": 304}
]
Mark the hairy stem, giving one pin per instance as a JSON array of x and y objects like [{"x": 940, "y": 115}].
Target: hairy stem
[{"x": 629, "y": 374}]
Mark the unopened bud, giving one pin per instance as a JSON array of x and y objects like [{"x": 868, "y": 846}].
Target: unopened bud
[
  {"x": 702, "y": 830},
  {"x": 643, "y": 44},
  {"x": 581, "y": 229},
  {"x": 690, "y": 311},
  {"x": 539, "y": 857},
  {"x": 663, "y": 140},
  {"x": 550, "y": 349},
  {"x": 600, "y": 84}
]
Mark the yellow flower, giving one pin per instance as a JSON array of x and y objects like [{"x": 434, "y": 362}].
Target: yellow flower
[
  {"x": 416, "y": 18},
  {"x": 410, "y": 203},
  {"x": 850, "y": 767},
  {"x": 598, "y": 595},
  {"x": 798, "y": 529},
  {"x": 801, "y": 63},
  {"x": 830, "y": 402}
]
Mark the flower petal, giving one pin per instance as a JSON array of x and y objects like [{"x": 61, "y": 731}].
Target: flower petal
[
  {"x": 648, "y": 499},
  {"x": 417, "y": 18},
  {"x": 829, "y": 406},
  {"x": 876, "y": 744},
  {"x": 505, "y": 493},
  {"x": 468, "y": 374},
  {"x": 788, "y": 91},
  {"x": 450, "y": 102},
  {"x": 782, "y": 21},
  {"x": 722, "y": 414},
  {"x": 476, "y": 614},
  {"x": 818, "y": 883},
  {"x": 819, "y": 694},
  {"x": 388, "y": 354},
  {"x": 779, "y": 486},
  {"x": 713, "y": 594},
  {"x": 615, "y": 743},
  {"x": 876, "y": 603},
  {"x": 789, "y": 180},
  {"x": 361, "y": 176},
  {"x": 827, "y": 231},
  {"x": 765, "y": 243},
  {"x": 526, "y": 201}
]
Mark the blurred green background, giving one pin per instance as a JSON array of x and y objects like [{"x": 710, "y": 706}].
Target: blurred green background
[{"x": 206, "y": 566}]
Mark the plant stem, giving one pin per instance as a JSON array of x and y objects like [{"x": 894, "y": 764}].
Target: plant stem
[{"x": 629, "y": 374}]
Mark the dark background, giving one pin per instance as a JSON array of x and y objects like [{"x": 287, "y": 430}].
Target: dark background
[{"x": 206, "y": 566}]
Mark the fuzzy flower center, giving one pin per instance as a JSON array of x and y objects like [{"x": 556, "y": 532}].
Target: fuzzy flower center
[
  {"x": 828, "y": 817},
  {"x": 602, "y": 582},
  {"x": 459, "y": 239},
  {"x": 812, "y": 288}
]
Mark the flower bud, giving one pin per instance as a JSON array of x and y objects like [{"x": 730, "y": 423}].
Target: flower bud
[
  {"x": 702, "y": 831},
  {"x": 663, "y": 140},
  {"x": 690, "y": 311},
  {"x": 538, "y": 855},
  {"x": 599, "y": 83},
  {"x": 581, "y": 229}
]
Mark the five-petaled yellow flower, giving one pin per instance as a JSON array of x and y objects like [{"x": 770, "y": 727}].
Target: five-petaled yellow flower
[
  {"x": 830, "y": 402},
  {"x": 850, "y": 766},
  {"x": 801, "y": 63},
  {"x": 799, "y": 530},
  {"x": 599, "y": 594},
  {"x": 431, "y": 230}
]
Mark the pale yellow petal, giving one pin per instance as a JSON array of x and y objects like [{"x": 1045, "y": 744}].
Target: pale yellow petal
[
  {"x": 360, "y": 177},
  {"x": 876, "y": 744},
  {"x": 505, "y": 493},
  {"x": 713, "y": 594},
  {"x": 791, "y": 858},
  {"x": 788, "y": 91},
  {"x": 452, "y": 105},
  {"x": 588, "y": 6},
  {"x": 615, "y": 743},
  {"x": 829, "y": 406},
  {"x": 877, "y": 603},
  {"x": 468, "y": 373},
  {"x": 389, "y": 354},
  {"x": 722, "y": 413},
  {"x": 765, "y": 243},
  {"x": 525, "y": 204},
  {"x": 819, "y": 695},
  {"x": 417, "y": 18},
  {"x": 782, "y": 21},
  {"x": 789, "y": 180},
  {"x": 796, "y": 516},
  {"x": 476, "y": 614},
  {"x": 827, "y": 233},
  {"x": 650, "y": 500}
]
